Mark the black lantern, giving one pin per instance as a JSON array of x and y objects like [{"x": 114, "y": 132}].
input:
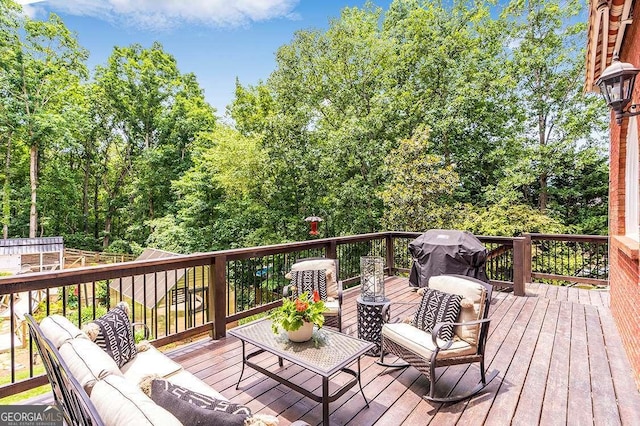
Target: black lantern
[
  {"x": 372, "y": 278},
  {"x": 616, "y": 85},
  {"x": 313, "y": 222}
]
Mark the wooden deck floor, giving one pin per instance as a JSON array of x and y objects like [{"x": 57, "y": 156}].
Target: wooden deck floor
[{"x": 558, "y": 352}]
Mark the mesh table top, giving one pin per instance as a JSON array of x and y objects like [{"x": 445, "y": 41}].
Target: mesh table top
[{"x": 326, "y": 353}]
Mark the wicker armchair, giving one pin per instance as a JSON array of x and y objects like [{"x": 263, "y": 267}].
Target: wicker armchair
[
  {"x": 331, "y": 292},
  {"x": 427, "y": 351}
]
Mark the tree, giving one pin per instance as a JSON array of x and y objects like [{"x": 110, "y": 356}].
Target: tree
[
  {"x": 49, "y": 61},
  {"x": 419, "y": 193},
  {"x": 216, "y": 196},
  {"x": 548, "y": 62},
  {"x": 9, "y": 37},
  {"x": 154, "y": 113},
  {"x": 450, "y": 74}
]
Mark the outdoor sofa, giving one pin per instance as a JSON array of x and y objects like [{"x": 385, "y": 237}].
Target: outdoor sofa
[{"x": 91, "y": 389}]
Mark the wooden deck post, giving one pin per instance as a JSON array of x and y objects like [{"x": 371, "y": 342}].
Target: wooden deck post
[
  {"x": 518, "y": 266},
  {"x": 390, "y": 253},
  {"x": 217, "y": 296},
  {"x": 332, "y": 250},
  {"x": 527, "y": 258}
]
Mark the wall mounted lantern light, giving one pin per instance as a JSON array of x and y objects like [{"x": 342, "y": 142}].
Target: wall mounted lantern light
[
  {"x": 616, "y": 85},
  {"x": 313, "y": 222}
]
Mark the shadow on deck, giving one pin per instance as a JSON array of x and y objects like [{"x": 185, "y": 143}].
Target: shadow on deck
[{"x": 559, "y": 354}]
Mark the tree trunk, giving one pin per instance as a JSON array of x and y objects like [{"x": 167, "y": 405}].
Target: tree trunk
[
  {"x": 33, "y": 180},
  {"x": 544, "y": 196},
  {"x": 6, "y": 192},
  {"x": 542, "y": 140},
  {"x": 107, "y": 229},
  {"x": 85, "y": 198},
  {"x": 96, "y": 217}
]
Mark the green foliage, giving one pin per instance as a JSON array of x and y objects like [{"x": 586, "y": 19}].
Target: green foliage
[
  {"x": 133, "y": 156},
  {"x": 507, "y": 219},
  {"x": 294, "y": 312},
  {"x": 420, "y": 188}
]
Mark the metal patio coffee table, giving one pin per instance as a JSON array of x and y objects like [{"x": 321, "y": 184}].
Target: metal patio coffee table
[{"x": 326, "y": 354}]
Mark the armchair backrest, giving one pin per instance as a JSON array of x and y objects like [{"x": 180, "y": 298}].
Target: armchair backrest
[
  {"x": 476, "y": 291},
  {"x": 330, "y": 266}
]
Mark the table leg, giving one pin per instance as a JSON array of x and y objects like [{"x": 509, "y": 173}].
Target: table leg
[
  {"x": 280, "y": 361},
  {"x": 360, "y": 384},
  {"x": 325, "y": 401},
  {"x": 244, "y": 359}
]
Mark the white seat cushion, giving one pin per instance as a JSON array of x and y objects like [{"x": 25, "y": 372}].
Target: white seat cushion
[
  {"x": 470, "y": 290},
  {"x": 421, "y": 342},
  {"x": 333, "y": 307},
  {"x": 121, "y": 403},
  {"x": 59, "y": 329},
  {"x": 149, "y": 362},
  {"x": 87, "y": 362}
]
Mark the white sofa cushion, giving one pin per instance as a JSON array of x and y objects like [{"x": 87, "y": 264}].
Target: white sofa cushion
[
  {"x": 470, "y": 290},
  {"x": 329, "y": 265},
  {"x": 185, "y": 379},
  {"x": 87, "y": 362},
  {"x": 147, "y": 363},
  {"x": 121, "y": 403},
  {"x": 59, "y": 329},
  {"x": 421, "y": 342}
]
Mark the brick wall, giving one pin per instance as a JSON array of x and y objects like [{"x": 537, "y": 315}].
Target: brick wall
[
  {"x": 624, "y": 268},
  {"x": 625, "y": 302}
]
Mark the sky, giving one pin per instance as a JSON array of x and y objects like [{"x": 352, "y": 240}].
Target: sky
[{"x": 217, "y": 40}]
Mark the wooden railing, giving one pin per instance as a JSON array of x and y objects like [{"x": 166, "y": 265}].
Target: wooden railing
[
  {"x": 567, "y": 259},
  {"x": 76, "y": 257},
  {"x": 181, "y": 297}
]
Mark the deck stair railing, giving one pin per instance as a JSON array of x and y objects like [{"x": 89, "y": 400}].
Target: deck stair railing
[{"x": 231, "y": 285}]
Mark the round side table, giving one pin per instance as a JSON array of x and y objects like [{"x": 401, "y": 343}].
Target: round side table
[{"x": 371, "y": 318}]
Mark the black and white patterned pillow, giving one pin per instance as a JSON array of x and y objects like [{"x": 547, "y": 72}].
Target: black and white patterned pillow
[
  {"x": 308, "y": 281},
  {"x": 192, "y": 408},
  {"x": 437, "y": 306},
  {"x": 116, "y": 336}
]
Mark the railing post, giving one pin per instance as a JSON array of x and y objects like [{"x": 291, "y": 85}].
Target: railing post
[
  {"x": 217, "y": 297},
  {"x": 518, "y": 266},
  {"x": 527, "y": 258},
  {"x": 332, "y": 250},
  {"x": 390, "y": 254}
]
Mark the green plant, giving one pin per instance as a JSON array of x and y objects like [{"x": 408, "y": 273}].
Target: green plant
[
  {"x": 72, "y": 297},
  {"x": 293, "y": 313},
  {"x": 102, "y": 292}
]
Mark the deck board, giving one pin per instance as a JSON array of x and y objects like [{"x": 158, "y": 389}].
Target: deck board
[
  {"x": 559, "y": 354},
  {"x": 560, "y": 359}
]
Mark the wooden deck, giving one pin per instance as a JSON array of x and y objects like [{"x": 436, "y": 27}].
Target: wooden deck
[{"x": 559, "y": 355}]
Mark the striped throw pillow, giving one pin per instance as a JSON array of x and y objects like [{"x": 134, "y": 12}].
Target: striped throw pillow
[{"x": 437, "y": 306}]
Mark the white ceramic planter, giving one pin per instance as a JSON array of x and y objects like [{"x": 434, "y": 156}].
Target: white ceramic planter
[{"x": 302, "y": 334}]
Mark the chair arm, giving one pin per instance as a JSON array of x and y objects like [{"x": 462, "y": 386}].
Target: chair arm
[
  {"x": 386, "y": 313},
  {"x": 145, "y": 327},
  {"x": 436, "y": 331},
  {"x": 286, "y": 290},
  {"x": 339, "y": 284}
]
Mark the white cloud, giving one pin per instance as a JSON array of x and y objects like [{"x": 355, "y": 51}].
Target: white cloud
[{"x": 164, "y": 14}]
